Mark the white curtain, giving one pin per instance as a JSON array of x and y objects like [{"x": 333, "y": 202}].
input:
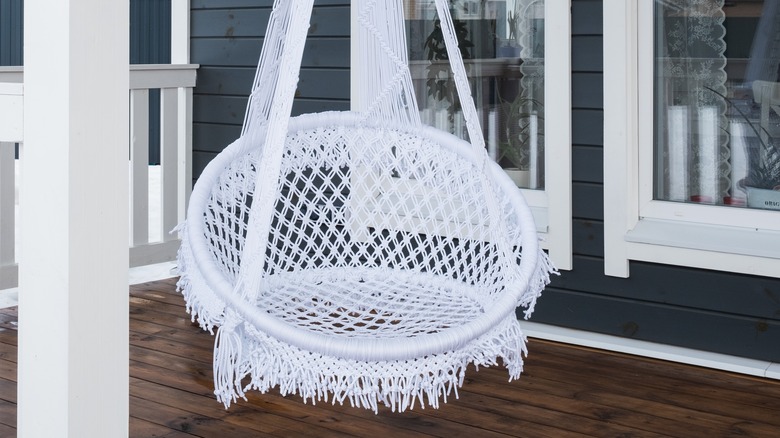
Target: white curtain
[{"x": 691, "y": 88}]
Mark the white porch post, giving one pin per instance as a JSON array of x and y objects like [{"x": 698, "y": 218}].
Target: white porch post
[{"x": 73, "y": 298}]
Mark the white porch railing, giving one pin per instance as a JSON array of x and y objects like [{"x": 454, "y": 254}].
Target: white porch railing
[{"x": 175, "y": 171}]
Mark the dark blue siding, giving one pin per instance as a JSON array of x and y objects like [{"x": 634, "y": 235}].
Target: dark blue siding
[
  {"x": 150, "y": 43},
  {"x": 227, "y": 36},
  {"x": 11, "y": 32},
  {"x": 707, "y": 310}
]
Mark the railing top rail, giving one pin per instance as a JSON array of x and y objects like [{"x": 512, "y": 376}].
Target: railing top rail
[
  {"x": 11, "y": 74},
  {"x": 142, "y": 76}
]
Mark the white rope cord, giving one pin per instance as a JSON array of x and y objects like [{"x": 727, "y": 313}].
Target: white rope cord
[
  {"x": 388, "y": 85},
  {"x": 359, "y": 257},
  {"x": 294, "y": 23},
  {"x": 477, "y": 139}
]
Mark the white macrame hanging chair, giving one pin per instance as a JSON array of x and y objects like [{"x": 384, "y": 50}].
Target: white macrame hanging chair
[{"x": 357, "y": 256}]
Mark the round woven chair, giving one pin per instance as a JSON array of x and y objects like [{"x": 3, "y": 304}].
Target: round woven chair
[{"x": 350, "y": 256}]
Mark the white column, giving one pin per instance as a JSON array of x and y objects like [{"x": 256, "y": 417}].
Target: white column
[
  {"x": 180, "y": 54},
  {"x": 73, "y": 298}
]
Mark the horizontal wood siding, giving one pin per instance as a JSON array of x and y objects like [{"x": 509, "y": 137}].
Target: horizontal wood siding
[
  {"x": 150, "y": 43},
  {"x": 11, "y": 32},
  {"x": 227, "y": 37},
  {"x": 708, "y": 310}
]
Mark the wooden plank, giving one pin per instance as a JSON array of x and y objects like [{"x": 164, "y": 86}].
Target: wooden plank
[
  {"x": 564, "y": 391},
  {"x": 212, "y": 137},
  {"x": 232, "y": 23},
  {"x": 142, "y": 428},
  {"x": 553, "y": 403},
  {"x": 705, "y": 290},
  {"x": 188, "y": 422},
  {"x": 8, "y": 390},
  {"x": 230, "y": 109},
  {"x": 8, "y": 352},
  {"x": 218, "y": 4},
  {"x": 8, "y": 415},
  {"x": 655, "y": 322},
  {"x": 199, "y": 162},
  {"x": 318, "y": 52},
  {"x": 588, "y": 237},
  {"x": 237, "y": 81},
  {"x": 587, "y": 127},
  {"x": 586, "y": 17},
  {"x": 587, "y": 54},
  {"x": 587, "y": 201},
  {"x": 588, "y": 164},
  {"x": 676, "y": 384},
  {"x": 7, "y": 431},
  {"x": 273, "y": 419},
  {"x": 587, "y": 91}
]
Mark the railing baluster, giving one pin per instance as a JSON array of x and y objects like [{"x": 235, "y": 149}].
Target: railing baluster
[
  {"x": 185, "y": 150},
  {"x": 139, "y": 162},
  {"x": 175, "y": 82},
  {"x": 169, "y": 148},
  {"x": 7, "y": 220}
]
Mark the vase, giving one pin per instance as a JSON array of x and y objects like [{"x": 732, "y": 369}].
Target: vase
[
  {"x": 763, "y": 198},
  {"x": 521, "y": 178}
]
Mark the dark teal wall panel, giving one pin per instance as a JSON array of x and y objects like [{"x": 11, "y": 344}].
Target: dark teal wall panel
[
  {"x": 682, "y": 326},
  {"x": 700, "y": 309},
  {"x": 236, "y": 81},
  {"x": 586, "y": 54},
  {"x": 238, "y": 23},
  {"x": 226, "y": 40},
  {"x": 11, "y": 32},
  {"x": 588, "y": 127},
  {"x": 242, "y": 52},
  {"x": 590, "y": 164},
  {"x": 694, "y": 308}
]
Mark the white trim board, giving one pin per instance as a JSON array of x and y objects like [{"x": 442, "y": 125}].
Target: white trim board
[
  {"x": 653, "y": 350},
  {"x": 137, "y": 275}
]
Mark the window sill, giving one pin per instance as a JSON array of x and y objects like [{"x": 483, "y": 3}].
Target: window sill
[{"x": 731, "y": 249}]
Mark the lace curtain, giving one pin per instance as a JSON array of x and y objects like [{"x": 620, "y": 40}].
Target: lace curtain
[{"x": 691, "y": 105}]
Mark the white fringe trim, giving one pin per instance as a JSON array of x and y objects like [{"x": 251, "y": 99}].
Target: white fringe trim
[{"x": 243, "y": 353}]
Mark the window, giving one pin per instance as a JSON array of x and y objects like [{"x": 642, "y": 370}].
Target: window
[
  {"x": 514, "y": 50},
  {"x": 692, "y": 118}
]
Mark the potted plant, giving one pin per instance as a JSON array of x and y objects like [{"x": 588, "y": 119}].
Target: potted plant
[
  {"x": 762, "y": 183},
  {"x": 440, "y": 83},
  {"x": 519, "y": 138},
  {"x": 510, "y": 47}
]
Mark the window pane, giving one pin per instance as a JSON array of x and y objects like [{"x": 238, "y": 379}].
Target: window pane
[
  {"x": 502, "y": 43},
  {"x": 717, "y": 102}
]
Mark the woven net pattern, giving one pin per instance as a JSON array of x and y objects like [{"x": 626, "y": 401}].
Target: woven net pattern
[{"x": 377, "y": 232}]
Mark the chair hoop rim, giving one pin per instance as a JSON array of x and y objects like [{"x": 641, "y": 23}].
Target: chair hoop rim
[{"x": 365, "y": 349}]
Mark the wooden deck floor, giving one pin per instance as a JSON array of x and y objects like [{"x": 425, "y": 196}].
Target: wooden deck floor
[{"x": 565, "y": 391}]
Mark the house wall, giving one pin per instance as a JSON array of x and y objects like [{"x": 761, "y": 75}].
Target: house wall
[
  {"x": 11, "y": 31},
  {"x": 226, "y": 42},
  {"x": 708, "y": 310}
]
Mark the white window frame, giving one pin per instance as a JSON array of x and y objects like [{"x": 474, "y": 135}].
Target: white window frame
[
  {"x": 636, "y": 227},
  {"x": 552, "y": 206}
]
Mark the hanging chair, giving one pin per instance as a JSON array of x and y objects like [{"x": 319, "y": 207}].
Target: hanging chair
[{"x": 359, "y": 255}]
